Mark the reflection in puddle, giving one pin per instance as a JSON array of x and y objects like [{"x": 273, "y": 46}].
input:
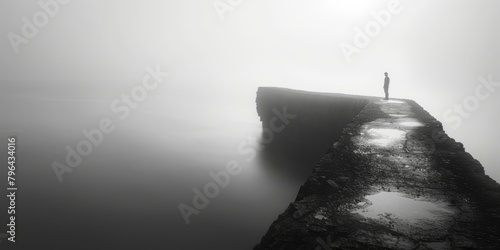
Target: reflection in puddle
[
  {"x": 395, "y": 108},
  {"x": 384, "y": 136},
  {"x": 396, "y": 205},
  {"x": 320, "y": 217},
  {"x": 411, "y": 124},
  {"x": 389, "y": 102},
  {"x": 398, "y": 115},
  {"x": 394, "y": 101},
  {"x": 396, "y": 154}
]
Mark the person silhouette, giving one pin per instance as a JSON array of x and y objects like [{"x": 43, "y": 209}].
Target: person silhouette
[{"x": 386, "y": 85}]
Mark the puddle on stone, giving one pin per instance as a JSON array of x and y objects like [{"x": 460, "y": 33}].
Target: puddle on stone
[
  {"x": 394, "y": 101},
  {"x": 398, "y": 115},
  {"x": 319, "y": 217},
  {"x": 384, "y": 136},
  {"x": 396, "y": 205},
  {"x": 410, "y": 124},
  {"x": 389, "y": 102},
  {"x": 393, "y": 107}
]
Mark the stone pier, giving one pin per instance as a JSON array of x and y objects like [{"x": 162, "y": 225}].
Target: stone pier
[{"x": 393, "y": 179}]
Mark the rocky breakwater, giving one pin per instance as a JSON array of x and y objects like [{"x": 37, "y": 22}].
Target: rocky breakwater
[{"x": 392, "y": 180}]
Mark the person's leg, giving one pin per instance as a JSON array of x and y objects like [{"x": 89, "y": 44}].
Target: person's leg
[{"x": 386, "y": 93}]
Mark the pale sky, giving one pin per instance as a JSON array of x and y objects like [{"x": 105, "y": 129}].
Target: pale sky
[{"x": 434, "y": 51}]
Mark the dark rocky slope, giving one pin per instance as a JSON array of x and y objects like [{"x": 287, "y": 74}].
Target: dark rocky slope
[
  {"x": 320, "y": 120},
  {"x": 392, "y": 180}
]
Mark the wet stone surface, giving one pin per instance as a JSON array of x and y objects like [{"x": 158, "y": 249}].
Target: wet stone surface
[{"x": 394, "y": 180}]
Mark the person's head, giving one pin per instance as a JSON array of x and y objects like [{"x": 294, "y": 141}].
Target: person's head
[{"x": 386, "y": 74}]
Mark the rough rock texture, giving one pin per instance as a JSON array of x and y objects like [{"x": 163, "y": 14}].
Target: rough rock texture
[{"x": 392, "y": 180}]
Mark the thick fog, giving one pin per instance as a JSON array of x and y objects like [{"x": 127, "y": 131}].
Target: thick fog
[{"x": 218, "y": 52}]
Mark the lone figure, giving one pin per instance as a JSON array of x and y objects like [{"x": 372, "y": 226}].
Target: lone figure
[{"x": 386, "y": 85}]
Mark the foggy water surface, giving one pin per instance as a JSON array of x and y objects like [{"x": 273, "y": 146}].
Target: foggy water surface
[{"x": 127, "y": 191}]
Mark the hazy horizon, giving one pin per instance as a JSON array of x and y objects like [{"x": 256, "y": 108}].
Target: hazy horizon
[
  {"x": 434, "y": 52},
  {"x": 63, "y": 77}
]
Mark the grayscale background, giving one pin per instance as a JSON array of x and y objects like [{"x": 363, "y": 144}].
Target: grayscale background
[{"x": 127, "y": 191}]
